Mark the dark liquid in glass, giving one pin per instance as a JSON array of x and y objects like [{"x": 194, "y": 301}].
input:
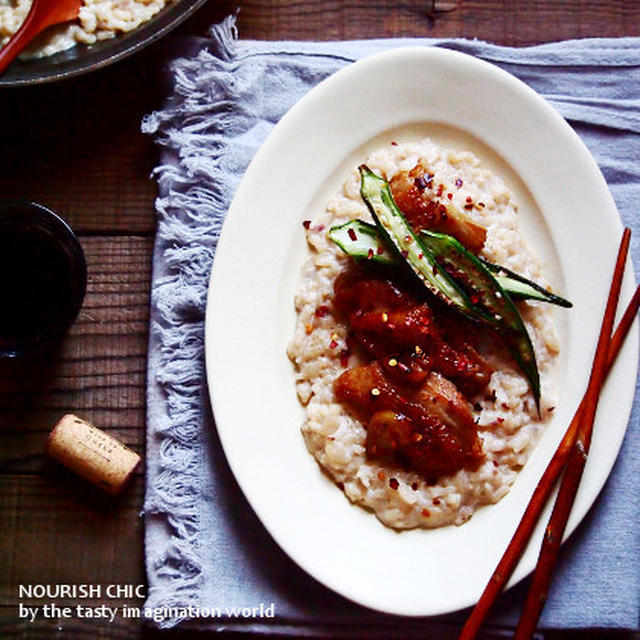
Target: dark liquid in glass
[
  {"x": 35, "y": 282},
  {"x": 42, "y": 278}
]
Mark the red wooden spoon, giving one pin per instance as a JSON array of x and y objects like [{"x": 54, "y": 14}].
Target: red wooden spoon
[{"x": 43, "y": 14}]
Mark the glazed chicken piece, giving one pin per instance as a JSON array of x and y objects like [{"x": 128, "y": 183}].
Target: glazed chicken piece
[
  {"x": 393, "y": 326},
  {"x": 413, "y": 193},
  {"x": 429, "y": 430},
  {"x": 360, "y": 289}
]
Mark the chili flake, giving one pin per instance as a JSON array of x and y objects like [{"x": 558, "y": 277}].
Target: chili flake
[
  {"x": 421, "y": 183},
  {"x": 394, "y": 484},
  {"x": 306, "y": 224},
  {"x": 352, "y": 235}
]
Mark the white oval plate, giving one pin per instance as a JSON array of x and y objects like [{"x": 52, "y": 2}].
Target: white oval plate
[{"x": 567, "y": 214}]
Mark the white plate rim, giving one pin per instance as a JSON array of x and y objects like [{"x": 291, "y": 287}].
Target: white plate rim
[{"x": 222, "y": 332}]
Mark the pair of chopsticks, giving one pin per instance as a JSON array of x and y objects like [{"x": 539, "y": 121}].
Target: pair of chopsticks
[{"x": 570, "y": 456}]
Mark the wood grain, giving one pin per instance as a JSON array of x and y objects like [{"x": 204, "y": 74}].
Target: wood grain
[
  {"x": 508, "y": 22},
  {"x": 99, "y": 370}
]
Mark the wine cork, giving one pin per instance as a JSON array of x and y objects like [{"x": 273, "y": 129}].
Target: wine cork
[{"x": 92, "y": 453}]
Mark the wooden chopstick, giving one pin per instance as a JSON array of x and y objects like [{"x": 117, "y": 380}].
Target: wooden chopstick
[
  {"x": 539, "y": 587},
  {"x": 542, "y": 491}
]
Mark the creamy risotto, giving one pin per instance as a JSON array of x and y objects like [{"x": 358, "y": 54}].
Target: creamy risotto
[
  {"x": 98, "y": 20},
  {"x": 508, "y": 422}
]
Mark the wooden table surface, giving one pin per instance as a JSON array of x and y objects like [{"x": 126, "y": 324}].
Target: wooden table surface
[{"x": 76, "y": 146}]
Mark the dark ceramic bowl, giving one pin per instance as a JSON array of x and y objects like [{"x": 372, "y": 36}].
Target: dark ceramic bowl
[
  {"x": 43, "y": 278},
  {"x": 85, "y": 58}
]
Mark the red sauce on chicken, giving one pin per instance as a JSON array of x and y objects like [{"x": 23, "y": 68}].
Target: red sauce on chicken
[
  {"x": 419, "y": 369},
  {"x": 424, "y": 205}
]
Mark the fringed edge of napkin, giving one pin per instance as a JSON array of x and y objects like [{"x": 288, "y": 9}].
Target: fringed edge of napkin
[{"x": 191, "y": 208}]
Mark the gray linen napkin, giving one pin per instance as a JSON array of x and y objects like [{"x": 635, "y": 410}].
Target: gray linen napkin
[{"x": 205, "y": 547}]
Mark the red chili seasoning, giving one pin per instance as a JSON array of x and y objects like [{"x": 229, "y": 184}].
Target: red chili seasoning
[
  {"x": 306, "y": 224},
  {"x": 436, "y": 501},
  {"x": 380, "y": 250},
  {"x": 321, "y": 311},
  {"x": 450, "y": 196},
  {"x": 370, "y": 254},
  {"x": 394, "y": 484},
  {"x": 352, "y": 235},
  {"x": 333, "y": 344},
  {"x": 381, "y": 475},
  {"x": 414, "y": 486},
  {"x": 421, "y": 183},
  {"x": 425, "y": 513},
  {"x": 394, "y": 143}
]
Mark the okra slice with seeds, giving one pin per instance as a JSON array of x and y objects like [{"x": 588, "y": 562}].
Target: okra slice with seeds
[
  {"x": 362, "y": 241},
  {"x": 456, "y": 276},
  {"x": 485, "y": 292},
  {"x": 401, "y": 239}
]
